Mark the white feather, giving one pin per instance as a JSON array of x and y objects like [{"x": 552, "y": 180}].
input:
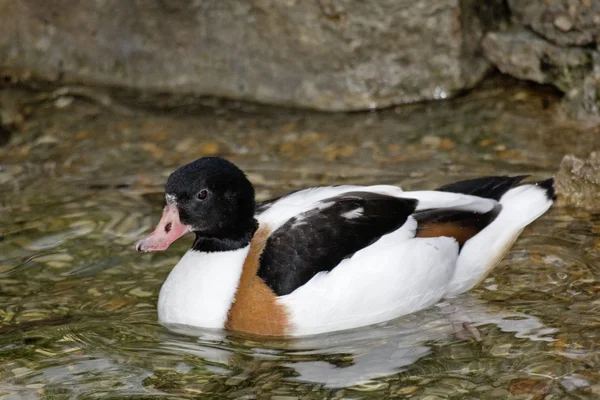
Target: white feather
[
  {"x": 200, "y": 289},
  {"x": 357, "y": 212},
  {"x": 429, "y": 199},
  {"x": 300, "y": 220}
]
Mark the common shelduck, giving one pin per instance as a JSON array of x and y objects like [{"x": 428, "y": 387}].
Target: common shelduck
[{"x": 329, "y": 258}]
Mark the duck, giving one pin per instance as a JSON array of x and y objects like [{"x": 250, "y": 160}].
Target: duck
[{"x": 329, "y": 258}]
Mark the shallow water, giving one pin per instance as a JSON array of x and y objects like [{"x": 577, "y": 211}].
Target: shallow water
[{"x": 81, "y": 181}]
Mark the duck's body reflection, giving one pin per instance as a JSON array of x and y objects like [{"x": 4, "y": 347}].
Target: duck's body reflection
[{"x": 351, "y": 357}]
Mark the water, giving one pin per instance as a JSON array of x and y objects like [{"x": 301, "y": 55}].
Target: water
[{"x": 81, "y": 181}]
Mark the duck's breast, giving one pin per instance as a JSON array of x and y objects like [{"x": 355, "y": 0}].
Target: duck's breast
[{"x": 200, "y": 289}]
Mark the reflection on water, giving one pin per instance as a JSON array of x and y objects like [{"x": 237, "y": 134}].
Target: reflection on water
[
  {"x": 360, "y": 355},
  {"x": 78, "y": 305}
]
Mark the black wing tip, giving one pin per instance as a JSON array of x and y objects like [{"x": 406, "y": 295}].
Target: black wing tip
[
  {"x": 548, "y": 185},
  {"x": 491, "y": 187}
]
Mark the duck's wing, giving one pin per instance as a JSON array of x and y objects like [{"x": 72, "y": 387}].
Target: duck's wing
[
  {"x": 331, "y": 230},
  {"x": 313, "y": 230}
]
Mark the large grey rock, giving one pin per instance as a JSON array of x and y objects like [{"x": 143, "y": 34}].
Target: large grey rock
[
  {"x": 564, "y": 22},
  {"x": 324, "y": 54},
  {"x": 578, "y": 182},
  {"x": 524, "y": 55}
]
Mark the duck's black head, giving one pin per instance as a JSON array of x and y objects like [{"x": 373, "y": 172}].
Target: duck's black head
[{"x": 211, "y": 197}]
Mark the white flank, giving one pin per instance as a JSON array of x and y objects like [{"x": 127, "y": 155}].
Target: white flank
[
  {"x": 520, "y": 206},
  {"x": 394, "y": 276},
  {"x": 200, "y": 289}
]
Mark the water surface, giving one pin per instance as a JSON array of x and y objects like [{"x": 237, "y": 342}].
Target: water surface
[{"x": 82, "y": 180}]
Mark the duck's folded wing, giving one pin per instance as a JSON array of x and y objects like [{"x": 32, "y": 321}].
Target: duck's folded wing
[{"x": 319, "y": 239}]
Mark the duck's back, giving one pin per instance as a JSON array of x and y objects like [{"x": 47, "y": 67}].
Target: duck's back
[{"x": 395, "y": 252}]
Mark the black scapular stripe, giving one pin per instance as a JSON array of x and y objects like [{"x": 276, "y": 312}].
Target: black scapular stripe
[{"x": 319, "y": 239}]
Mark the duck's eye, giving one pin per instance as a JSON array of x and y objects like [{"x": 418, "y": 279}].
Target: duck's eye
[{"x": 202, "y": 194}]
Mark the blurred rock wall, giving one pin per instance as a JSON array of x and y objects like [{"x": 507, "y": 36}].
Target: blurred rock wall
[
  {"x": 553, "y": 42},
  {"x": 323, "y": 54}
]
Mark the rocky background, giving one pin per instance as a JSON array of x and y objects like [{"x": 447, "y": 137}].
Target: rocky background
[
  {"x": 553, "y": 42},
  {"x": 334, "y": 55}
]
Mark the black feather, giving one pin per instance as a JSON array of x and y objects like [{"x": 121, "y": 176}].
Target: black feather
[
  {"x": 490, "y": 187},
  {"x": 548, "y": 184}
]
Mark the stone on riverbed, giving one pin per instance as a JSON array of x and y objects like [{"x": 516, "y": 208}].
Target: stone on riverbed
[{"x": 578, "y": 182}]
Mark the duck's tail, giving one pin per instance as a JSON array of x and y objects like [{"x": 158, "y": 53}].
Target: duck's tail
[{"x": 521, "y": 205}]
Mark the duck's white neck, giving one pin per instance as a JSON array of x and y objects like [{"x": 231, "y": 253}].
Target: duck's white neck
[{"x": 201, "y": 288}]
